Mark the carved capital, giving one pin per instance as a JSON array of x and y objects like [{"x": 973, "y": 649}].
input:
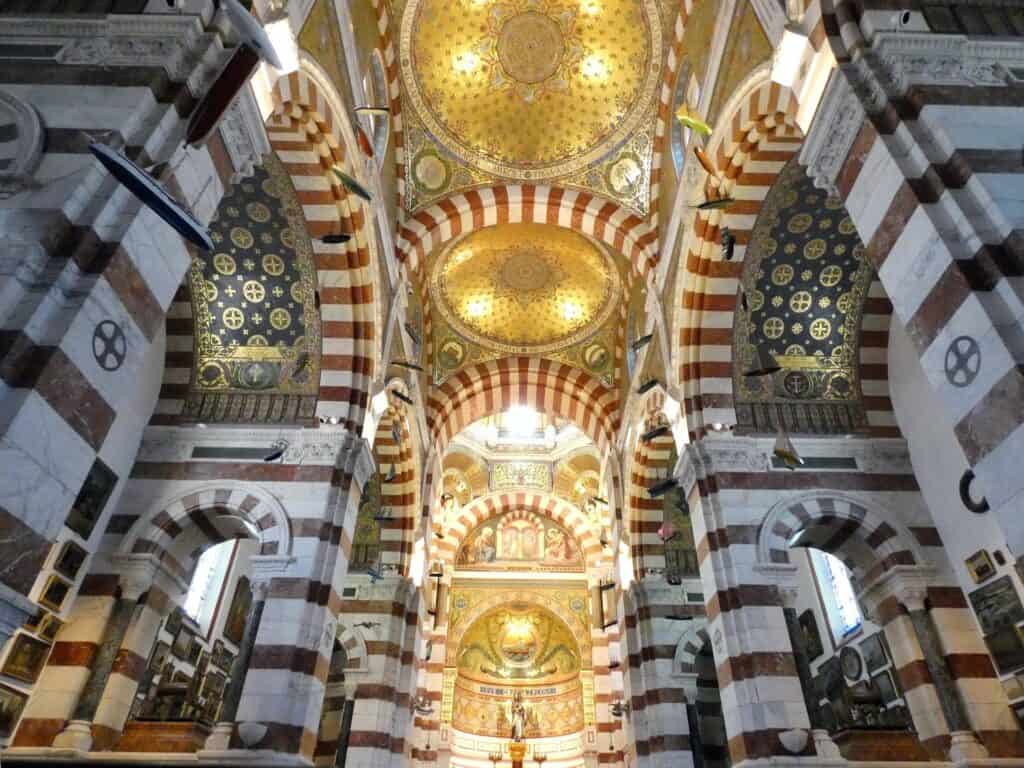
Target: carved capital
[
  {"x": 908, "y": 584},
  {"x": 244, "y": 135}
]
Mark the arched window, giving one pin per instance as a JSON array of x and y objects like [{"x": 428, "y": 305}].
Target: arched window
[
  {"x": 837, "y": 595},
  {"x": 207, "y": 583}
]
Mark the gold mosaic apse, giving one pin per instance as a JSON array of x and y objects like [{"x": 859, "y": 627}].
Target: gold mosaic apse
[
  {"x": 531, "y": 89},
  {"x": 525, "y": 288}
]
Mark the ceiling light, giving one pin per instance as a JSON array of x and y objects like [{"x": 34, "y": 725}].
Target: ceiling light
[
  {"x": 283, "y": 39},
  {"x": 478, "y": 307},
  {"x": 590, "y": 7},
  {"x": 594, "y": 66},
  {"x": 571, "y": 310},
  {"x": 788, "y": 57},
  {"x": 465, "y": 63},
  {"x": 521, "y": 420}
]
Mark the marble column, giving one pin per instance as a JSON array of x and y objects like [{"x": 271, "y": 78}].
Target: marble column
[
  {"x": 221, "y": 736},
  {"x": 963, "y": 742},
  {"x": 897, "y": 601},
  {"x": 77, "y": 734}
]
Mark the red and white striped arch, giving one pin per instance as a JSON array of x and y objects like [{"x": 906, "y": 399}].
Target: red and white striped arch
[
  {"x": 605, "y": 221},
  {"x": 546, "y": 386},
  {"x": 308, "y": 138},
  {"x": 491, "y": 505},
  {"x": 756, "y": 138}
]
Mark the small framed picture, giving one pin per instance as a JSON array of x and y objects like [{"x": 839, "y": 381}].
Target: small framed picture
[
  {"x": 55, "y": 592},
  {"x": 26, "y": 659},
  {"x": 12, "y": 702},
  {"x": 873, "y": 650},
  {"x": 1006, "y": 648},
  {"x": 194, "y": 651},
  {"x": 182, "y": 645},
  {"x": 50, "y": 627},
  {"x": 69, "y": 560},
  {"x": 884, "y": 684},
  {"x": 33, "y": 622},
  {"x": 980, "y": 566},
  {"x": 173, "y": 624}
]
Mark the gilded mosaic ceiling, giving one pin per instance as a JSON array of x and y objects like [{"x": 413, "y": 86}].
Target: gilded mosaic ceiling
[
  {"x": 531, "y": 90},
  {"x": 805, "y": 281},
  {"x": 525, "y": 288},
  {"x": 257, "y": 330}
]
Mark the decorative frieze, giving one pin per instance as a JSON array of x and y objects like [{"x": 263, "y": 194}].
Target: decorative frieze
[{"x": 836, "y": 125}]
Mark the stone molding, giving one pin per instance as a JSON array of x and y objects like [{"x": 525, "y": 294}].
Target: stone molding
[
  {"x": 178, "y": 44},
  {"x": 322, "y": 447},
  {"x": 836, "y": 125},
  {"x": 244, "y": 135}
]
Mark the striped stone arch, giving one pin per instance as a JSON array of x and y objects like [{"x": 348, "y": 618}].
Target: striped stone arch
[
  {"x": 843, "y": 526},
  {"x": 690, "y": 644},
  {"x": 355, "y": 648},
  {"x": 306, "y": 133},
  {"x": 387, "y": 44},
  {"x": 758, "y": 131},
  {"x": 179, "y": 530},
  {"x": 395, "y": 453},
  {"x": 548, "y": 387},
  {"x": 483, "y": 508},
  {"x": 648, "y": 465},
  {"x": 662, "y": 127},
  {"x": 605, "y": 221}
]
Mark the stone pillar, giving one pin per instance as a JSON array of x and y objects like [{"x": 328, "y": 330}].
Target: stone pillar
[
  {"x": 135, "y": 579},
  {"x": 221, "y": 736},
  {"x": 897, "y": 602}
]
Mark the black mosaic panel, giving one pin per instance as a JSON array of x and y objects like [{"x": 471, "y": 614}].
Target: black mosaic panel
[
  {"x": 257, "y": 326},
  {"x": 805, "y": 280}
]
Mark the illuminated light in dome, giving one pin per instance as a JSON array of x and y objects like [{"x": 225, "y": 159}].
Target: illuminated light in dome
[
  {"x": 594, "y": 66},
  {"x": 465, "y": 63},
  {"x": 521, "y": 420},
  {"x": 590, "y": 7},
  {"x": 478, "y": 307},
  {"x": 571, "y": 310}
]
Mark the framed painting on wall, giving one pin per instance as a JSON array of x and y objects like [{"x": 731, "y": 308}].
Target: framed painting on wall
[
  {"x": 26, "y": 659},
  {"x": 54, "y": 593},
  {"x": 69, "y": 560},
  {"x": 182, "y": 645},
  {"x": 812, "y": 638},
  {"x": 997, "y": 605},
  {"x": 234, "y": 626},
  {"x": 92, "y": 497},
  {"x": 980, "y": 566},
  {"x": 1006, "y": 648},
  {"x": 873, "y": 650},
  {"x": 12, "y": 702},
  {"x": 50, "y": 627}
]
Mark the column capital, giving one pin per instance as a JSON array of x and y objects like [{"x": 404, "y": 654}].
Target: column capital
[
  {"x": 906, "y": 584},
  {"x": 137, "y": 572},
  {"x": 785, "y": 577}
]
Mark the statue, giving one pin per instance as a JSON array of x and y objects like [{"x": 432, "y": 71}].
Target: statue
[{"x": 518, "y": 717}]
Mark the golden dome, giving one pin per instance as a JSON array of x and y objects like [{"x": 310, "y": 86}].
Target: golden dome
[
  {"x": 531, "y": 89},
  {"x": 525, "y": 287}
]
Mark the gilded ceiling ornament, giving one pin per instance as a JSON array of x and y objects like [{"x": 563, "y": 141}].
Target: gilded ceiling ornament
[
  {"x": 530, "y": 89},
  {"x": 525, "y": 287}
]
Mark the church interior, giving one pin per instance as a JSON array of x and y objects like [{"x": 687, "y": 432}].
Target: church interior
[{"x": 501, "y": 383}]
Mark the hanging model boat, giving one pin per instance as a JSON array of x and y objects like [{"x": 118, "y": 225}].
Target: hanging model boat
[
  {"x": 254, "y": 45},
  {"x": 149, "y": 191}
]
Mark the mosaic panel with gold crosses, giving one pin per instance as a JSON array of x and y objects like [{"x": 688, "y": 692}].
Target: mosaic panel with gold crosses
[
  {"x": 531, "y": 91},
  {"x": 805, "y": 281},
  {"x": 525, "y": 289},
  {"x": 257, "y": 328}
]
